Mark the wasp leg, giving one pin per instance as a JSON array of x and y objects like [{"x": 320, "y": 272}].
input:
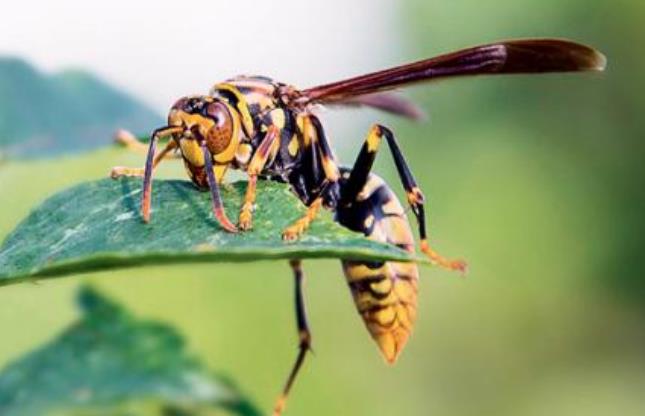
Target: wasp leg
[
  {"x": 266, "y": 147},
  {"x": 321, "y": 152},
  {"x": 296, "y": 229},
  {"x": 119, "y": 171},
  {"x": 217, "y": 205},
  {"x": 128, "y": 140},
  {"x": 149, "y": 167},
  {"x": 359, "y": 175},
  {"x": 303, "y": 334}
]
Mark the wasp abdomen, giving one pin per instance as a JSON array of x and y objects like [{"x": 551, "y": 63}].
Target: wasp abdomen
[{"x": 385, "y": 293}]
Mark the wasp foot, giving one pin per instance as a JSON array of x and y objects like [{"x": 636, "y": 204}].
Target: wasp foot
[
  {"x": 246, "y": 217},
  {"x": 119, "y": 171},
  {"x": 294, "y": 231},
  {"x": 437, "y": 259}
]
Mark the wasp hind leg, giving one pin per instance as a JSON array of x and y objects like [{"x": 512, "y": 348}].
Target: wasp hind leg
[
  {"x": 360, "y": 173},
  {"x": 303, "y": 334}
]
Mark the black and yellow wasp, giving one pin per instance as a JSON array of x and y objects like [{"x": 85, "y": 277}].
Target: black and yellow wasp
[{"x": 269, "y": 130}]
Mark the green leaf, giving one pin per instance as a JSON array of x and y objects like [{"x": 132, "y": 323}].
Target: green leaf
[
  {"x": 109, "y": 363},
  {"x": 97, "y": 225}
]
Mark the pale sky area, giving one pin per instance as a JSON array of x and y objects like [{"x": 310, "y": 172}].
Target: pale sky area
[{"x": 160, "y": 50}]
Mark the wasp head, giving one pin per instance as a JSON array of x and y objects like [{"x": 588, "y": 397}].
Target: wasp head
[
  {"x": 208, "y": 119},
  {"x": 208, "y": 135}
]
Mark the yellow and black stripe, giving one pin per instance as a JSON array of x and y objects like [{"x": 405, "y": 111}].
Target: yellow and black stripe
[{"x": 385, "y": 293}]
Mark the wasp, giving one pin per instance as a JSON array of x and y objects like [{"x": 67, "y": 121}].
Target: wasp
[{"x": 270, "y": 130}]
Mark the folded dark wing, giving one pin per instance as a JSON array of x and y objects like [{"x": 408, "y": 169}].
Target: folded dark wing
[
  {"x": 509, "y": 57},
  {"x": 384, "y": 101}
]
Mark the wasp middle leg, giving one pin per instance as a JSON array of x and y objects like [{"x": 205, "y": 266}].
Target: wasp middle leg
[
  {"x": 303, "y": 334},
  {"x": 415, "y": 197},
  {"x": 321, "y": 157}
]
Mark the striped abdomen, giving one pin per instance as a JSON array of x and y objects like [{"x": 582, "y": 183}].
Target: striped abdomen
[{"x": 385, "y": 293}]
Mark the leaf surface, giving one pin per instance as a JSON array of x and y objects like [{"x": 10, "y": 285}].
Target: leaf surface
[{"x": 97, "y": 226}]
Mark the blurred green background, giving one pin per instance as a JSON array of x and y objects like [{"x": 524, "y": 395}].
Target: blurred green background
[{"x": 537, "y": 181}]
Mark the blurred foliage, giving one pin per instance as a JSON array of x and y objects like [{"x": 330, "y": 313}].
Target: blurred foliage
[
  {"x": 109, "y": 363},
  {"x": 44, "y": 115},
  {"x": 97, "y": 226}
]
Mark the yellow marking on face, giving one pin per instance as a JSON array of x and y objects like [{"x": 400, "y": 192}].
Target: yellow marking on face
[
  {"x": 293, "y": 146},
  {"x": 242, "y": 107},
  {"x": 190, "y": 120},
  {"x": 373, "y": 140},
  {"x": 191, "y": 151}
]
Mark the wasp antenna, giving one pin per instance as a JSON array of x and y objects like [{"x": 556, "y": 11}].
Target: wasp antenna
[{"x": 147, "y": 179}]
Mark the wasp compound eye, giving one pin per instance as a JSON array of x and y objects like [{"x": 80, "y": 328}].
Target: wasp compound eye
[{"x": 220, "y": 135}]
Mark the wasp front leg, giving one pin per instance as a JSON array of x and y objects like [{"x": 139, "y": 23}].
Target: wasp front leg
[
  {"x": 322, "y": 157},
  {"x": 126, "y": 139},
  {"x": 149, "y": 168},
  {"x": 259, "y": 160},
  {"x": 151, "y": 163},
  {"x": 119, "y": 171}
]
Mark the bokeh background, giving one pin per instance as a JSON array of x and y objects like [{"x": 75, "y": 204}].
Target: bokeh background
[{"x": 537, "y": 181}]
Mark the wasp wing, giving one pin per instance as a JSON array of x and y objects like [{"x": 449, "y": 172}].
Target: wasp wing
[
  {"x": 508, "y": 57},
  {"x": 388, "y": 102}
]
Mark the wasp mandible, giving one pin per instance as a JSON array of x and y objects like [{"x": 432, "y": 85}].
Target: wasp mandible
[{"x": 270, "y": 131}]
